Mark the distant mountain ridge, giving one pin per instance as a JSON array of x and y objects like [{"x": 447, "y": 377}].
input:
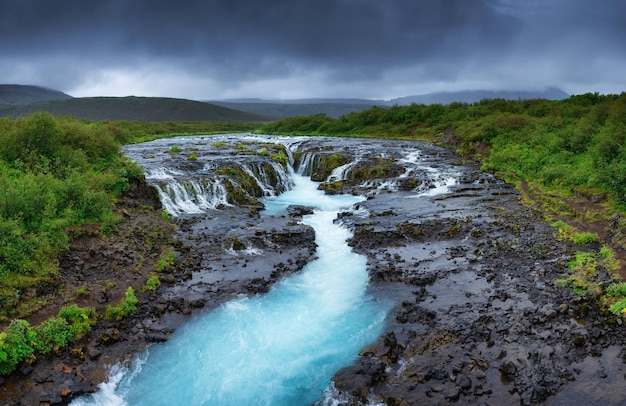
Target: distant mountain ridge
[
  {"x": 133, "y": 108},
  {"x": 473, "y": 96},
  {"x": 25, "y": 94},
  {"x": 335, "y": 107},
  {"x": 289, "y": 109},
  {"x": 18, "y": 100}
]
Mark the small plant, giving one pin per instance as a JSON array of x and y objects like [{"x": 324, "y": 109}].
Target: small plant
[
  {"x": 165, "y": 215},
  {"x": 584, "y": 263},
  {"x": 127, "y": 306},
  {"x": 218, "y": 144},
  {"x": 563, "y": 227},
  {"x": 152, "y": 283},
  {"x": 608, "y": 259},
  {"x": 193, "y": 156},
  {"x": 79, "y": 319},
  {"x": 82, "y": 291},
  {"x": 52, "y": 334},
  {"x": 616, "y": 290},
  {"x": 175, "y": 149},
  {"x": 585, "y": 238},
  {"x": 168, "y": 257},
  {"x": 280, "y": 158},
  {"x": 618, "y": 307}
]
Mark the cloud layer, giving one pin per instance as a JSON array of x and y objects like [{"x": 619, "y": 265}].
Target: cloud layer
[{"x": 208, "y": 49}]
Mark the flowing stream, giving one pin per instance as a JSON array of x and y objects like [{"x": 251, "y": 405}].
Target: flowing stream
[{"x": 281, "y": 348}]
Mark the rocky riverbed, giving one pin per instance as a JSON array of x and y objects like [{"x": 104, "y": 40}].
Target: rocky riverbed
[{"x": 476, "y": 318}]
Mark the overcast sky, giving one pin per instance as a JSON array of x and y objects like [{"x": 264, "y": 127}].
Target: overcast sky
[{"x": 378, "y": 49}]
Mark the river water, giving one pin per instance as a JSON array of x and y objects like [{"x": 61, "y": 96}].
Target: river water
[{"x": 281, "y": 348}]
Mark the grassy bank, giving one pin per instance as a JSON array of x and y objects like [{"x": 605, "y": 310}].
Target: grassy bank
[{"x": 56, "y": 175}]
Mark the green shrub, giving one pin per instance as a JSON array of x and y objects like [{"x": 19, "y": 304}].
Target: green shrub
[
  {"x": 168, "y": 257},
  {"x": 152, "y": 283},
  {"x": 79, "y": 319},
  {"x": 280, "y": 158},
  {"x": 618, "y": 307},
  {"x": 16, "y": 345},
  {"x": 127, "y": 306},
  {"x": 616, "y": 290},
  {"x": 52, "y": 334},
  {"x": 585, "y": 238}
]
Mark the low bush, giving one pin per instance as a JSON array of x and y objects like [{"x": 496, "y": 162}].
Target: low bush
[
  {"x": 585, "y": 238},
  {"x": 125, "y": 308}
]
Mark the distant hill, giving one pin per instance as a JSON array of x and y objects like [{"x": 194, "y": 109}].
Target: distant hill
[
  {"x": 293, "y": 108},
  {"x": 335, "y": 107},
  {"x": 473, "y": 96},
  {"x": 136, "y": 109},
  {"x": 23, "y": 94}
]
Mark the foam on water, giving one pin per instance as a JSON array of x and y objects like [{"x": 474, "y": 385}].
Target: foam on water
[{"x": 281, "y": 348}]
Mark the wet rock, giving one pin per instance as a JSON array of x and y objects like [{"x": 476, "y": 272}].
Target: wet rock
[
  {"x": 551, "y": 314},
  {"x": 463, "y": 381},
  {"x": 299, "y": 211},
  {"x": 110, "y": 336},
  {"x": 157, "y": 337},
  {"x": 508, "y": 369},
  {"x": 94, "y": 353},
  {"x": 26, "y": 371}
]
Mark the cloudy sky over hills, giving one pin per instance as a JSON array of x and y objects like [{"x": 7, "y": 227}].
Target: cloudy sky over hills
[{"x": 210, "y": 49}]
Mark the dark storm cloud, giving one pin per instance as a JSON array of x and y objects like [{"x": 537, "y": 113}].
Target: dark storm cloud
[{"x": 342, "y": 40}]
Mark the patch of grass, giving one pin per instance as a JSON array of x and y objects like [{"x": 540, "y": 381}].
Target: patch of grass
[
  {"x": 585, "y": 238},
  {"x": 585, "y": 263},
  {"x": 175, "y": 149},
  {"x": 167, "y": 258},
  {"x": 280, "y": 158},
  {"x": 152, "y": 283},
  {"x": 607, "y": 256}
]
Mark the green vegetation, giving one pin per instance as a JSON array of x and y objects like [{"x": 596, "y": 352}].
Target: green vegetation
[
  {"x": 585, "y": 238},
  {"x": 152, "y": 283},
  {"x": 20, "y": 342},
  {"x": 54, "y": 174},
  {"x": 58, "y": 174},
  {"x": 166, "y": 259},
  {"x": 125, "y": 308}
]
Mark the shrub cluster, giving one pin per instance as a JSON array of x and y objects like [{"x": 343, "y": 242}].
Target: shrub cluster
[{"x": 20, "y": 342}]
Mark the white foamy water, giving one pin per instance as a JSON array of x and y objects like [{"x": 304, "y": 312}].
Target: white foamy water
[{"x": 281, "y": 348}]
